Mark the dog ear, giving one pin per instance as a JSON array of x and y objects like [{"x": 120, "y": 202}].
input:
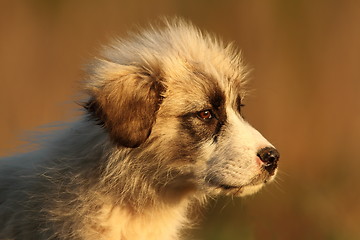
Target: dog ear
[{"x": 124, "y": 99}]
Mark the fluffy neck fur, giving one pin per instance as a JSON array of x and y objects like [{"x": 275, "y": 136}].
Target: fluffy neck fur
[{"x": 130, "y": 195}]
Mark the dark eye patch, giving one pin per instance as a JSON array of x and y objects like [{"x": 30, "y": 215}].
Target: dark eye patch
[
  {"x": 199, "y": 125},
  {"x": 206, "y": 122}
]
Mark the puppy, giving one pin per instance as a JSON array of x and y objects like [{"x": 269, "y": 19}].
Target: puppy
[{"x": 162, "y": 129}]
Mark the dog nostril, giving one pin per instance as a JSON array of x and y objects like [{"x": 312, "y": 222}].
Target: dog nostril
[{"x": 269, "y": 155}]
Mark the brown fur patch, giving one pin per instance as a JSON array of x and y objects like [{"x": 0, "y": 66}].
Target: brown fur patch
[{"x": 126, "y": 107}]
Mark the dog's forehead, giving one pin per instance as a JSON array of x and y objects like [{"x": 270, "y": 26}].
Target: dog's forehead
[
  {"x": 190, "y": 64},
  {"x": 199, "y": 75},
  {"x": 195, "y": 87},
  {"x": 202, "y": 70}
]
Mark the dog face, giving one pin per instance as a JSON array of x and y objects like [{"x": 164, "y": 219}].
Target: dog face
[
  {"x": 176, "y": 94},
  {"x": 208, "y": 131}
]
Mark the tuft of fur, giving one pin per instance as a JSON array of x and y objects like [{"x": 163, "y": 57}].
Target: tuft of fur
[{"x": 142, "y": 154}]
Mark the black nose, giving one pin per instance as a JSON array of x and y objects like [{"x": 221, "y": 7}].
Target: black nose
[{"x": 269, "y": 156}]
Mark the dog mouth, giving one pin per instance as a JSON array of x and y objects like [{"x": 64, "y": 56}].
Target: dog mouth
[
  {"x": 236, "y": 191},
  {"x": 230, "y": 189},
  {"x": 218, "y": 187}
]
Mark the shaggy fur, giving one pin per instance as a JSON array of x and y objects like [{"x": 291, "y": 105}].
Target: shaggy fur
[{"x": 162, "y": 129}]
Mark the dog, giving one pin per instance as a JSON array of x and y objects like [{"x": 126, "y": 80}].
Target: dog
[{"x": 162, "y": 129}]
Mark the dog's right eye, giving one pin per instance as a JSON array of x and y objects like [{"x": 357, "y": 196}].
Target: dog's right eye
[{"x": 205, "y": 115}]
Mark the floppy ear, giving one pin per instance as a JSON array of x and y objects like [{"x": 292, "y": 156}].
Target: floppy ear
[{"x": 124, "y": 99}]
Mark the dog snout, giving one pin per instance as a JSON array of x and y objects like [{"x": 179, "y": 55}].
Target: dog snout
[{"x": 269, "y": 156}]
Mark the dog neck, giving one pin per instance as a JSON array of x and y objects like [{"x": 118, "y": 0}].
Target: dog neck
[{"x": 163, "y": 222}]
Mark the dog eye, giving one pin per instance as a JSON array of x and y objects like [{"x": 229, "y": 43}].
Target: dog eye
[{"x": 205, "y": 115}]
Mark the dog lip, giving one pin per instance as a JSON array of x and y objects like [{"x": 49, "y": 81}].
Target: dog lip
[
  {"x": 258, "y": 180},
  {"x": 219, "y": 184},
  {"x": 225, "y": 189},
  {"x": 228, "y": 187}
]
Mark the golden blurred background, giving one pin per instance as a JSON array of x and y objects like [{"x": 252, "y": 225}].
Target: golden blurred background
[{"x": 306, "y": 60}]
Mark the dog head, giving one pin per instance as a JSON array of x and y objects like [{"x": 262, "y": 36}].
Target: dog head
[{"x": 177, "y": 94}]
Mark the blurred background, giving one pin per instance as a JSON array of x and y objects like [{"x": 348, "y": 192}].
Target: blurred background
[{"x": 306, "y": 98}]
